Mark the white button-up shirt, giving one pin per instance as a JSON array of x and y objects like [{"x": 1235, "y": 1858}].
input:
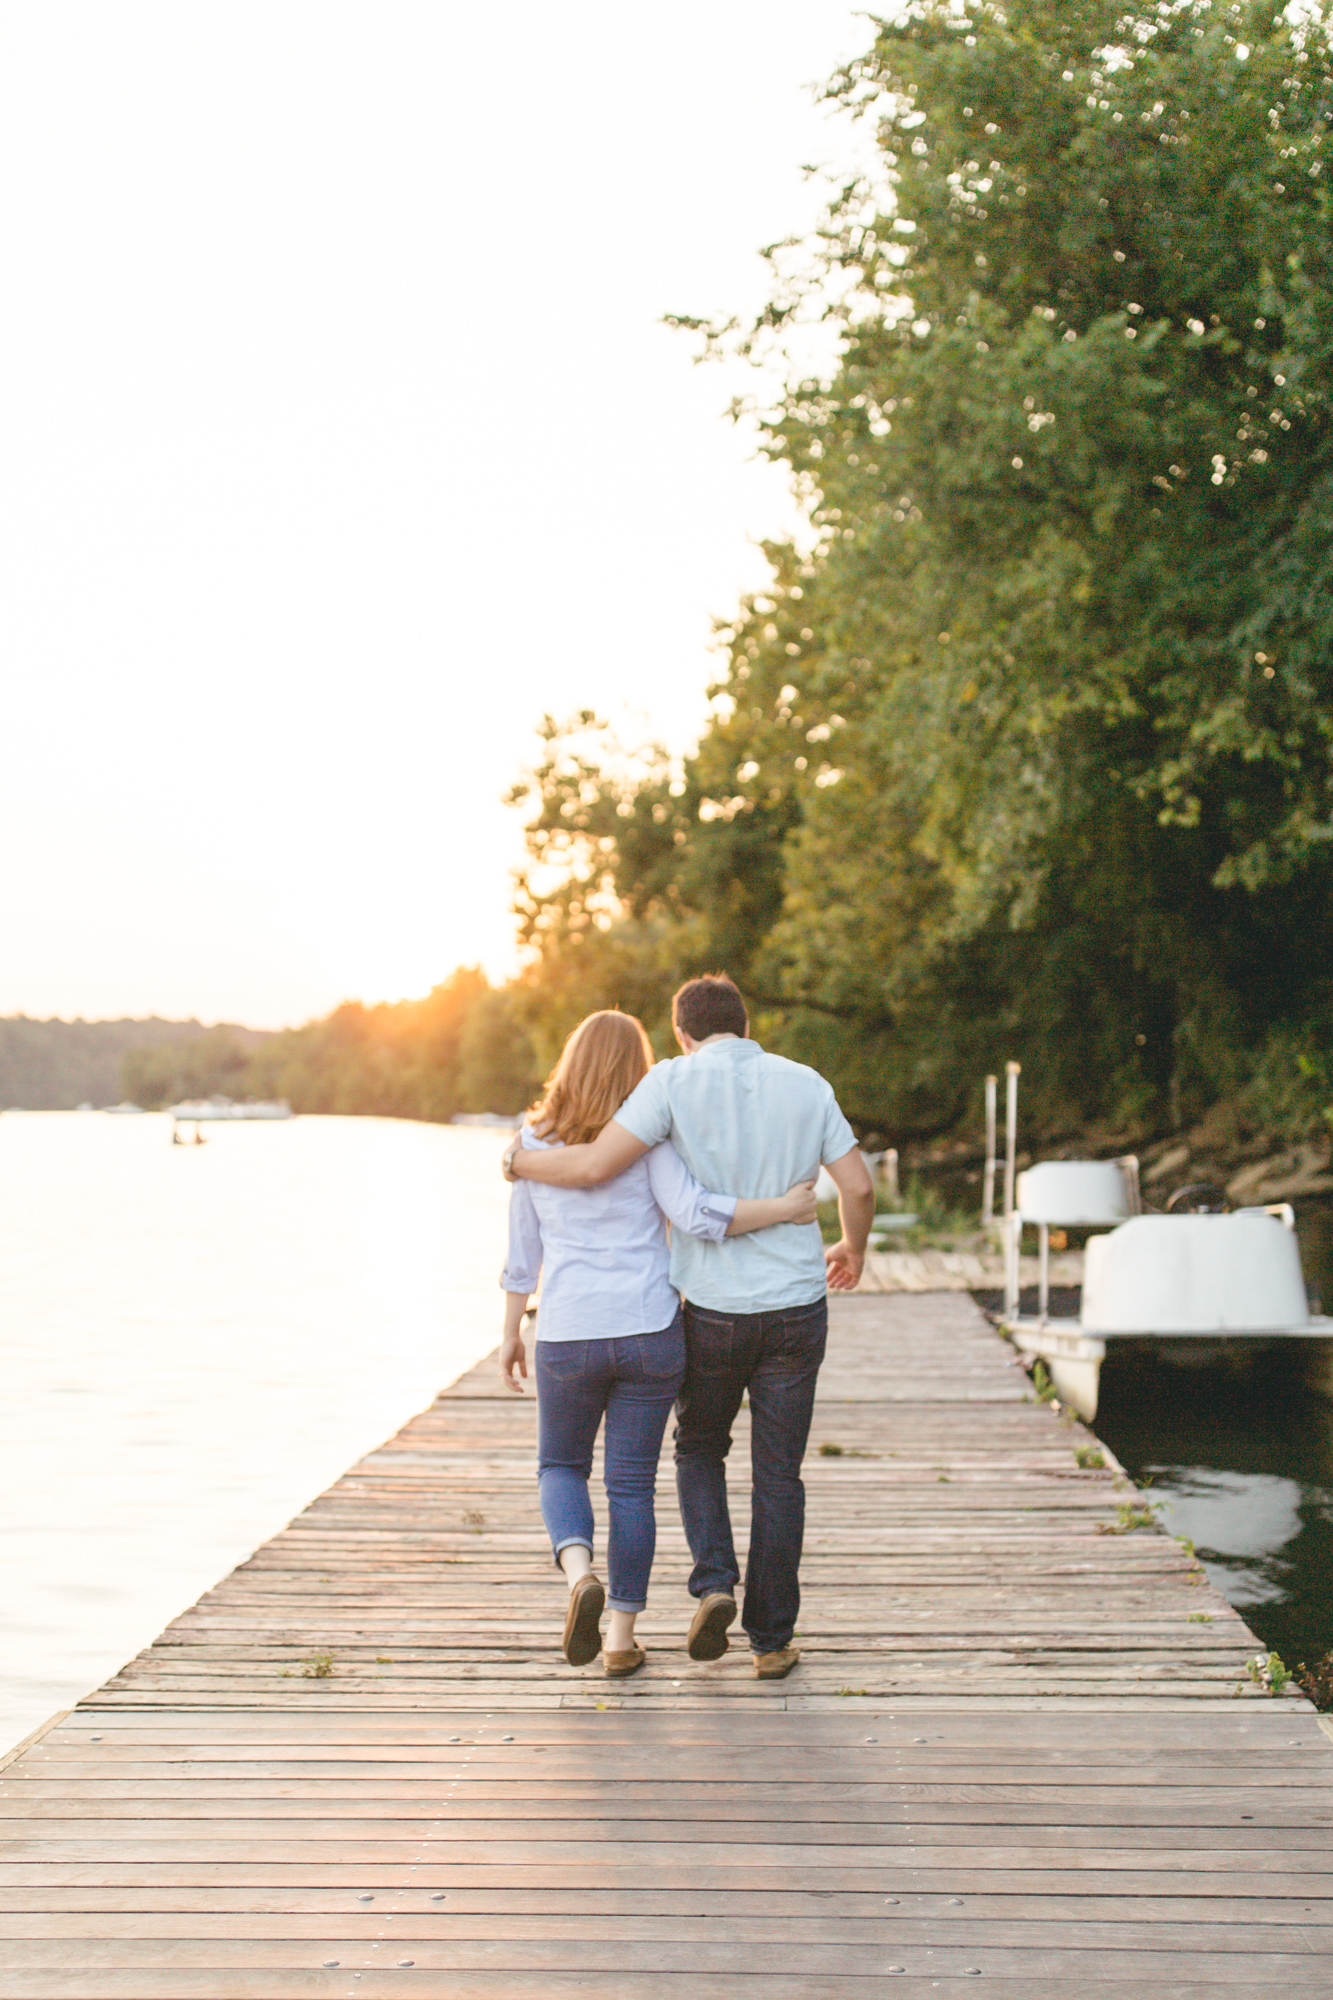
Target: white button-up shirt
[{"x": 602, "y": 1252}]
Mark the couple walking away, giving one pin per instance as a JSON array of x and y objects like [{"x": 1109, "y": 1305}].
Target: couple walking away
[{"x": 724, "y": 1142}]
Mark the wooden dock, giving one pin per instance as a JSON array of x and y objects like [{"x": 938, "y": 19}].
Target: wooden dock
[{"x": 1022, "y": 1745}]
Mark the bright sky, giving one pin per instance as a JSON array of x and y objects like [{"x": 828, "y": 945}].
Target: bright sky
[{"x": 341, "y": 440}]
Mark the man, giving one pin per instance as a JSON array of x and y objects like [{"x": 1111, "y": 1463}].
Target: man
[{"x": 756, "y": 1312}]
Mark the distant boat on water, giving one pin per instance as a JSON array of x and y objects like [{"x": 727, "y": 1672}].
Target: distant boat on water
[{"x": 207, "y": 1110}]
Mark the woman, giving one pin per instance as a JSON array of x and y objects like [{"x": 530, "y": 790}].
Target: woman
[{"x": 609, "y": 1336}]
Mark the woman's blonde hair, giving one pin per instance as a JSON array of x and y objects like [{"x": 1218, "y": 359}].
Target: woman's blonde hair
[{"x": 607, "y": 1054}]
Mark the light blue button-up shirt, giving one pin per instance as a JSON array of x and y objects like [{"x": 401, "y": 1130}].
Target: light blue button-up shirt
[
  {"x": 602, "y": 1252},
  {"x": 754, "y": 1123}
]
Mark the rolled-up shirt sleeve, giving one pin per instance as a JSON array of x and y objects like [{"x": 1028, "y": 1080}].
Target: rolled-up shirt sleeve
[
  {"x": 838, "y": 1137},
  {"x": 523, "y": 1262},
  {"x": 683, "y": 1200}
]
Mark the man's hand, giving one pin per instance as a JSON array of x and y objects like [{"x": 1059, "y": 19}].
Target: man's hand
[
  {"x": 799, "y": 1203},
  {"x": 513, "y": 1358},
  {"x": 844, "y": 1265},
  {"x": 845, "y": 1259}
]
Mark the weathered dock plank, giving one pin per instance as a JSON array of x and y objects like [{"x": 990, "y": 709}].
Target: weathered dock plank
[{"x": 1022, "y": 1746}]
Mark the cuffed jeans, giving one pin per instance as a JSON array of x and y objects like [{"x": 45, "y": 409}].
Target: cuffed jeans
[
  {"x": 634, "y": 1380},
  {"x": 776, "y": 1356}
]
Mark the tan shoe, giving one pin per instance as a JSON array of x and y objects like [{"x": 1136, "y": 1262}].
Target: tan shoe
[
  {"x": 619, "y": 1666},
  {"x": 707, "y": 1637},
  {"x": 583, "y": 1640},
  {"x": 776, "y": 1666}
]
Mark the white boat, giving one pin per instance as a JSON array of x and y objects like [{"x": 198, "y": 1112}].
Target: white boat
[
  {"x": 205, "y": 1110},
  {"x": 1192, "y": 1284}
]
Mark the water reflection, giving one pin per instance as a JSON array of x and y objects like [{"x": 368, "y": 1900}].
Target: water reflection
[
  {"x": 1242, "y": 1461},
  {"x": 1236, "y": 1522}
]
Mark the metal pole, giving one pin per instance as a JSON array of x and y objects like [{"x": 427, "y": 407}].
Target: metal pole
[
  {"x": 988, "y": 1182},
  {"x": 1011, "y": 1227}
]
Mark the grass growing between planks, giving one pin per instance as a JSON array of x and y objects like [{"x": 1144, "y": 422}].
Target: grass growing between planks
[
  {"x": 1130, "y": 1516},
  {"x": 1267, "y": 1671}
]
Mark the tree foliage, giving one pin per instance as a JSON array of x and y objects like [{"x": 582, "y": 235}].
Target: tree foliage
[
  {"x": 463, "y": 1047},
  {"x": 57, "y": 1065},
  {"x": 217, "y": 1061},
  {"x": 1028, "y": 751}
]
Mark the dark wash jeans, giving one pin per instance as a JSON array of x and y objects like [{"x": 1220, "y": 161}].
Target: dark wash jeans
[
  {"x": 632, "y": 1382},
  {"x": 776, "y": 1356}
]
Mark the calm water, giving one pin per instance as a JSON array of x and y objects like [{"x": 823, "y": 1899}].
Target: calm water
[
  {"x": 196, "y": 1341},
  {"x": 1243, "y": 1464}
]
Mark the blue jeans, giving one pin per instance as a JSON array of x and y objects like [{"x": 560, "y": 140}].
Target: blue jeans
[
  {"x": 776, "y": 1356},
  {"x": 635, "y": 1380}
]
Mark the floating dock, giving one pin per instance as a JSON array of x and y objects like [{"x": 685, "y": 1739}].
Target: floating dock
[{"x": 1023, "y": 1744}]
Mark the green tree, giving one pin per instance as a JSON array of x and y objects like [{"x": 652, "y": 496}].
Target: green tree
[
  {"x": 213, "y": 1063},
  {"x": 461, "y": 1048},
  {"x": 641, "y": 875},
  {"x": 497, "y": 1060},
  {"x": 1029, "y": 752}
]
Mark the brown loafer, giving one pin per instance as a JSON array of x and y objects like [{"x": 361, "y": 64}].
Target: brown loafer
[
  {"x": 583, "y": 1640},
  {"x": 707, "y": 1637},
  {"x": 619, "y": 1666},
  {"x": 776, "y": 1666}
]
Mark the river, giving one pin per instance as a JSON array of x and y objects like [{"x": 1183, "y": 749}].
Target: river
[
  {"x": 194, "y": 1341},
  {"x": 1242, "y": 1464}
]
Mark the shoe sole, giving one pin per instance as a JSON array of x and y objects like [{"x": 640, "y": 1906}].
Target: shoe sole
[
  {"x": 583, "y": 1641},
  {"x": 708, "y": 1636},
  {"x": 623, "y": 1673}
]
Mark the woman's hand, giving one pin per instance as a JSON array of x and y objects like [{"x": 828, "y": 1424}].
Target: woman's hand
[
  {"x": 507, "y": 1157},
  {"x": 513, "y": 1362},
  {"x": 799, "y": 1203},
  {"x": 766, "y": 1212}
]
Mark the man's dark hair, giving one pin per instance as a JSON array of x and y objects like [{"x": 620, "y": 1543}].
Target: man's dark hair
[{"x": 709, "y": 1006}]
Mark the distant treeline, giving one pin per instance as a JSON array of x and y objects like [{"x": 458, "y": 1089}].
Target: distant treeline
[
  {"x": 58, "y": 1065},
  {"x": 465, "y": 1047}
]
